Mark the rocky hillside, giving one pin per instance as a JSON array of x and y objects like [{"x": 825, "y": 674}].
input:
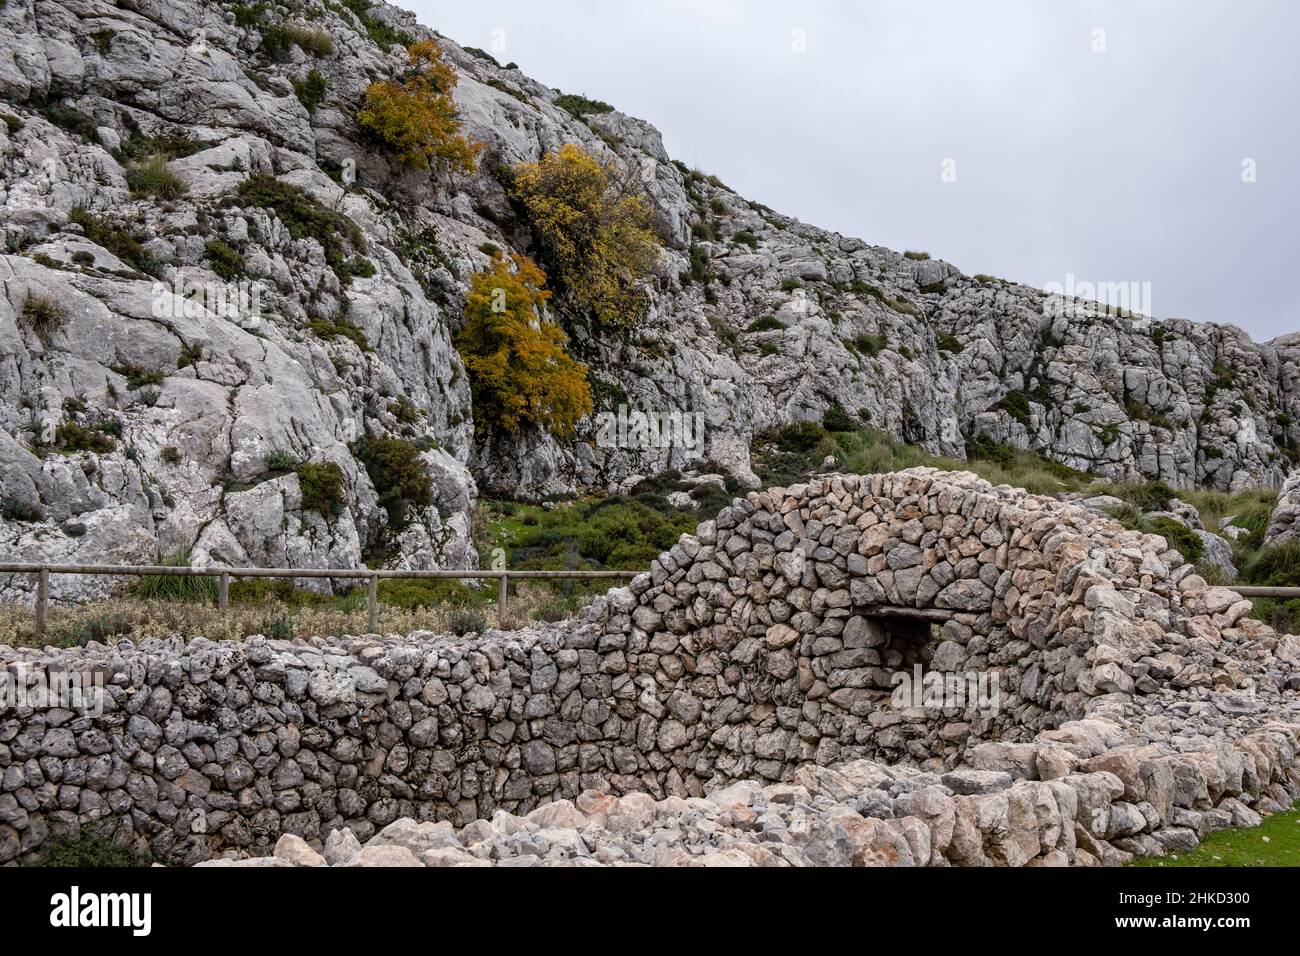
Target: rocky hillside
[{"x": 144, "y": 148}]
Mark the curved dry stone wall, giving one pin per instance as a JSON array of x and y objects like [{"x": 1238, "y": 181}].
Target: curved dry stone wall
[{"x": 747, "y": 700}]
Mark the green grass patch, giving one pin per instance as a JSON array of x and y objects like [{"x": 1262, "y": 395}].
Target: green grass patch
[
  {"x": 768, "y": 323},
  {"x": 1275, "y": 842},
  {"x": 224, "y": 260},
  {"x": 175, "y": 587},
  {"x": 1180, "y": 537},
  {"x": 339, "y": 327},
  {"x": 787, "y": 455}
]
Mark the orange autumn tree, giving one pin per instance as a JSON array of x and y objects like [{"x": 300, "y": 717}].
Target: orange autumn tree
[
  {"x": 416, "y": 118},
  {"x": 520, "y": 373}
]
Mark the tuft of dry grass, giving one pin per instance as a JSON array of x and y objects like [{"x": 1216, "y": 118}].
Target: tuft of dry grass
[{"x": 42, "y": 314}]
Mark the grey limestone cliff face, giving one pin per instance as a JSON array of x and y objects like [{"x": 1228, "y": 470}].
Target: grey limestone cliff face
[{"x": 196, "y": 403}]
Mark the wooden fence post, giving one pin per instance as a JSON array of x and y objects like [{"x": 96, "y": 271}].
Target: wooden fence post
[
  {"x": 503, "y": 595},
  {"x": 42, "y": 599},
  {"x": 372, "y": 602},
  {"x": 223, "y": 590}
]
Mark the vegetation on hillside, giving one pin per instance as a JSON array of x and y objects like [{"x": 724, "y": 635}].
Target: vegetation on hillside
[
  {"x": 415, "y": 119},
  {"x": 305, "y": 218},
  {"x": 593, "y": 227},
  {"x": 520, "y": 373}
]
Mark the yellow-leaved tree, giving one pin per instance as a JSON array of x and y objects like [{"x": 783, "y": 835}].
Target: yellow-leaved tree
[
  {"x": 416, "y": 118},
  {"x": 594, "y": 229},
  {"x": 520, "y": 373}
]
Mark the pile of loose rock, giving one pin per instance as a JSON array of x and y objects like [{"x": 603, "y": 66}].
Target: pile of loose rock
[
  {"x": 742, "y": 694},
  {"x": 1110, "y": 807}
]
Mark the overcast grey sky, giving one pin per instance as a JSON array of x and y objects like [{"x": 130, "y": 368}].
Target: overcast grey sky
[{"x": 1115, "y": 156}]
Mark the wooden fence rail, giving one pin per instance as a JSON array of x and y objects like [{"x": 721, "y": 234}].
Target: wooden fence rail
[{"x": 223, "y": 576}]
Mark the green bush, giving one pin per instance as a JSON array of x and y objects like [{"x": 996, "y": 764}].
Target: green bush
[
  {"x": 172, "y": 145},
  {"x": 280, "y": 463},
  {"x": 138, "y": 377},
  {"x": 72, "y": 120},
  {"x": 361, "y": 267},
  {"x": 279, "y": 626},
  {"x": 120, "y": 242},
  {"x": 71, "y": 437},
  {"x": 379, "y": 31},
  {"x": 617, "y": 532},
  {"x": 249, "y": 14},
  {"x": 467, "y": 620},
  {"x": 225, "y": 261},
  {"x": 768, "y": 323},
  {"x": 858, "y": 287},
  {"x": 916, "y": 256},
  {"x": 101, "y": 629},
  {"x": 1180, "y": 537},
  {"x": 311, "y": 89},
  {"x": 412, "y": 593},
  {"x": 397, "y": 471},
  {"x": 580, "y": 106},
  {"x": 1144, "y": 495},
  {"x": 947, "y": 342},
  {"x": 329, "y": 328},
  {"x": 1016, "y": 404},
  {"x": 837, "y": 419},
  {"x": 867, "y": 344},
  {"x": 321, "y": 484}
]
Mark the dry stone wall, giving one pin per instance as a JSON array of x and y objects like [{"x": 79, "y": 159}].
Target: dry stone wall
[{"x": 756, "y": 664}]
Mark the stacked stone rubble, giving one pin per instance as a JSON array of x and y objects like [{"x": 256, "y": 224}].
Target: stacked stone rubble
[{"x": 1138, "y": 708}]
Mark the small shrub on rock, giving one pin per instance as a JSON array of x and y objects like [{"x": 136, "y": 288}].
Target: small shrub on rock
[
  {"x": 224, "y": 260},
  {"x": 398, "y": 473},
  {"x": 416, "y": 118},
  {"x": 304, "y": 217},
  {"x": 321, "y": 484}
]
